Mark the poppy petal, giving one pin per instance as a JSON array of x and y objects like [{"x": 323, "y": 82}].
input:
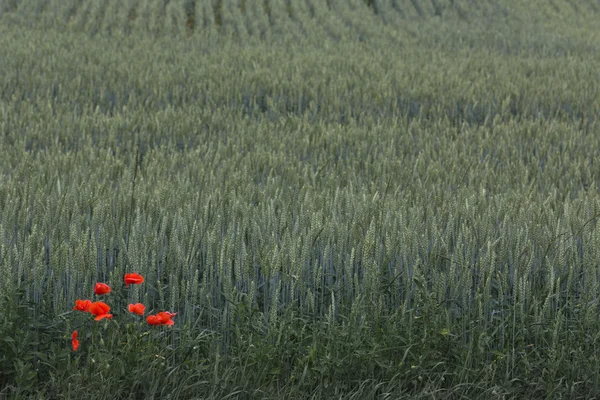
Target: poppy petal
[
  {"x": 153, "y": 320},
  {"x": 102, "y": 316}
]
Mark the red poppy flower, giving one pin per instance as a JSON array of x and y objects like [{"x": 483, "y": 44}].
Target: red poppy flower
[
  {"x": 82, "y": 305},
  {"x": 101, "y": 288},
  {"x": 162, "y": 318},
  {"x": 74, "y": 341},
  {"x": 134, "y": 279},
  {"x": 153, "y": 320},
  {"x": 137, "y": 308},
  {"x": 100, "y": 310}
]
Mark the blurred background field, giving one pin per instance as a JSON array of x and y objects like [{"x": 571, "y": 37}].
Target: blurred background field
[{"x": 341, "y": 199}]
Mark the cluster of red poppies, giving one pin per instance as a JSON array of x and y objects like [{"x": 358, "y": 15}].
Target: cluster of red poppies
[{"x": 101, "y": 310}]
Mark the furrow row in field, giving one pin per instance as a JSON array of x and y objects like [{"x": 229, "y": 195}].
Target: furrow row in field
[
  {"x": 204, "y": 18},
  {"x": 281, "y": 22},
  {"x": 113, "y": 15},
  {"x": 224, "y": 18},
  {"x": 97, "y": 17},
  {"x": 299, "y": 15},
  {"x": 376, "y": 21},
  {"x": 257, "y": 20},
  {"x": 393, "y": 21},
  {"x": 240, "y": 20},
  {"x": 304, "y": 14},
  {"x": 329, "y": 22},
  {"x": 127, "y": 15},
  {"x": 157, "y": 17},
  {"x": 32, "y": 11},
  {"x": 347, "y": 13},
  {"x": 139, "y": 19},
  {"x": 175, "y": 18},
  {"x": 393, "y": 14}
]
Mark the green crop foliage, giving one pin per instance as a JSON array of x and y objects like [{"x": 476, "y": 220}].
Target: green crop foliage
[{"x": 341, "y": 198}]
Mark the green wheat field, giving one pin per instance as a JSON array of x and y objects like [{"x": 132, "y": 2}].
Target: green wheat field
[{"x": 340, "y": 199}]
